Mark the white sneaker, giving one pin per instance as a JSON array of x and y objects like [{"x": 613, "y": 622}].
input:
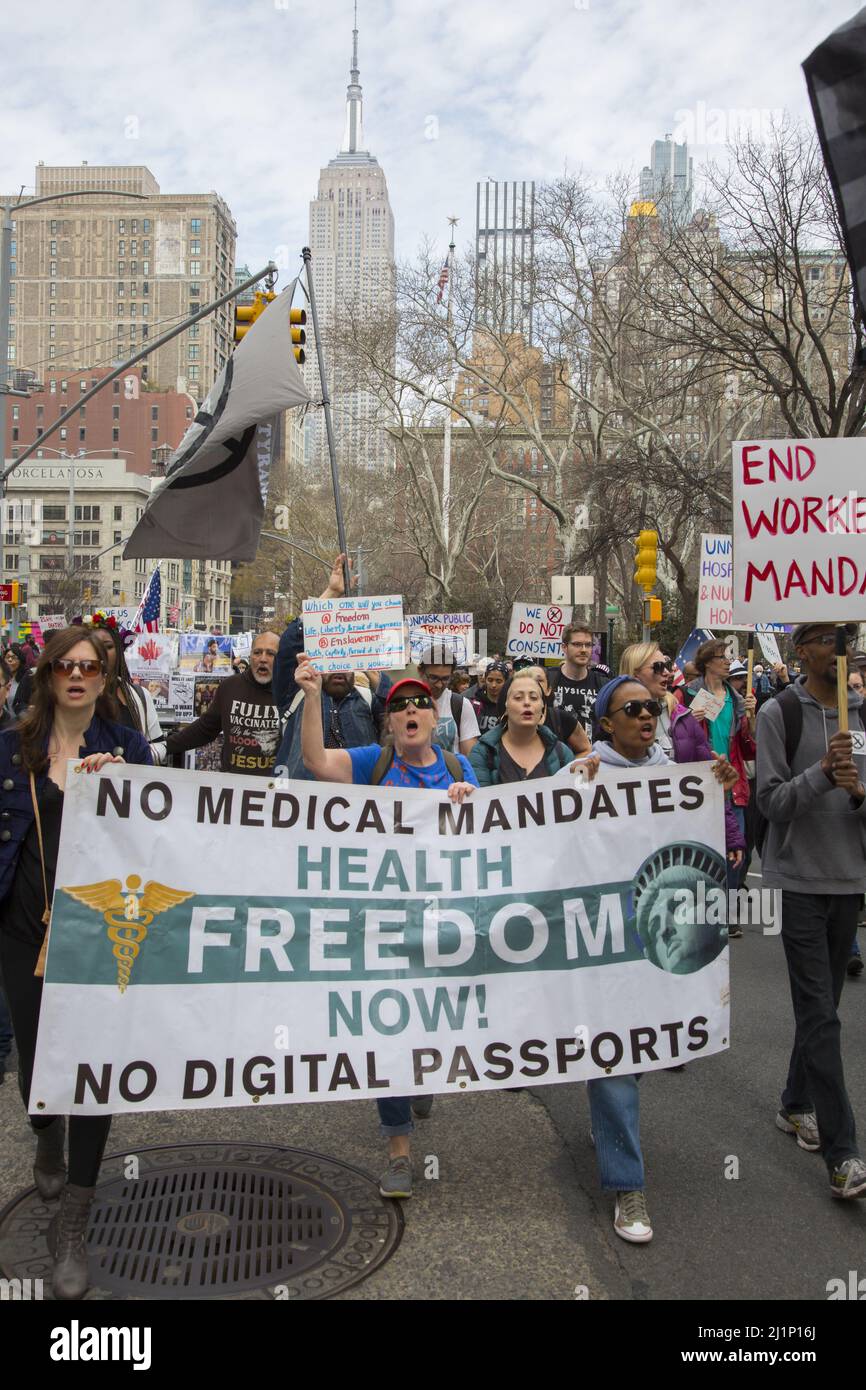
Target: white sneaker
[{"x": 631, "y": 1218}]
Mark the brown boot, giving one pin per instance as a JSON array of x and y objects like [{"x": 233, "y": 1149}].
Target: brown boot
[
  {"x": 49, "y": 1168},
  {"x": 67, "y": 1242}
]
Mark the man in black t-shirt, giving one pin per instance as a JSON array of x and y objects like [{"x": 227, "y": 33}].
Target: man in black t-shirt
[
  {"x": 245, "y": 712},
  {"x": 575, "y": 683}
]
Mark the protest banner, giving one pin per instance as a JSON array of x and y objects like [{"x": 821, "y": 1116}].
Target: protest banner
[
  {"x": 219, "y": 944},
  {"x": 151, "y": 658},
  {"x": 204, "y": 653},
  {"x": 53, "y": 622},
  {"x": 799, "y": 530},
  {"x": 451, "y": 632},
  {"x": 716, "y": 588},
  {"x": 354, "y": 634},
  {"x": 124, "y": 616},
  {"x": 536, "y": 629},
  {"x": 242, "y": 645}
]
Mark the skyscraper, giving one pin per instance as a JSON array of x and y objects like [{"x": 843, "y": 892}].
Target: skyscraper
[
  {"x": 94, "y": 277},
  {"x": 667, "y": 181},
  {"x": 504, "y": 218},
  {"x": 352, "y": 241}
]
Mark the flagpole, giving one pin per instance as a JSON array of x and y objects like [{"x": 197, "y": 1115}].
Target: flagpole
[{"x": 307, "y": 256}]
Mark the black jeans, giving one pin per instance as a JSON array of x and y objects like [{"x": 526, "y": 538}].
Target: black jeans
[
  {"x": 88, "y": 1134},
  {"x": 817, "y": 932}
]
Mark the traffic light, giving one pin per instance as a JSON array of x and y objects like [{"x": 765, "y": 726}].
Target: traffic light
[
  {"x": 652, "y": 611},
  {"x": 298, "y": 317},
  {"x": 646, "y": 560},
  {"x": 246, "y": 314}
]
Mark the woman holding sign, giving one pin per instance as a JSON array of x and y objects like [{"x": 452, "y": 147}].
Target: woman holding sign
[
  {"x": 68, "y": 719},
  {"x": 730, "y": 723},
  {"x": 408, "y": 759}
]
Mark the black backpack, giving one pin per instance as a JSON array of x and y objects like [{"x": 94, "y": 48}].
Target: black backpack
[{"x": 792, "y": 718}]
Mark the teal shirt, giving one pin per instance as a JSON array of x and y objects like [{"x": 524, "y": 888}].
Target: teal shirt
[{"x": 720, "y": 729}]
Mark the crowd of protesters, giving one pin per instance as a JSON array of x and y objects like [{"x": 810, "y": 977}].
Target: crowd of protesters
[{"x": 793, "y": 791}]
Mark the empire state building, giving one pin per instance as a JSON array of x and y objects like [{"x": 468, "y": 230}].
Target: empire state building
[{"x": 352, "y": 241}]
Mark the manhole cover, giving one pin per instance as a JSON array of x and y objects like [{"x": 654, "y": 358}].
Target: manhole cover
[{"x": 217, "y": 1221}]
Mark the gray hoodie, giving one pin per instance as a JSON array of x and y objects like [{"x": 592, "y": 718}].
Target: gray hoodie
[{"x": 816, "y": 836}]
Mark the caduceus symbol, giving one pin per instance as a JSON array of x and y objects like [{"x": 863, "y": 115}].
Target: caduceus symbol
[{"x": 128, "y": 913}]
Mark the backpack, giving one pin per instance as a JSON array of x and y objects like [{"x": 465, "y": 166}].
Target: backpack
[
  {"x": 386, "y": 758},
  {"x": 792, "y": 718}
]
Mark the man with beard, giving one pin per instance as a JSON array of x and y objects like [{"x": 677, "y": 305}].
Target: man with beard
[{"x": 245, "y": 713}]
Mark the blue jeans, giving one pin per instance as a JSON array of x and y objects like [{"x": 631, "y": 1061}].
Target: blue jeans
[
  {"x": 395, "y": 1116},
  {"x": 614, "y": 1107}
]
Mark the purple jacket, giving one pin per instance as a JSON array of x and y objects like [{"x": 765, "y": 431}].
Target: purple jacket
[{"x": 691, "y": 746}]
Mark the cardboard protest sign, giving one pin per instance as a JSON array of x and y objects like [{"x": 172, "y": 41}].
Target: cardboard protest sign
[
  {"x": 716, "y": 587},
  {"x": 799, "y": 530},
  {"x": 354, "y": 634},
  {"x": 410, "y": 946},
  {"x": 180, "y": 696},
  {"x": 451, "y": 631},
  {"x": 536, "y": 629}
]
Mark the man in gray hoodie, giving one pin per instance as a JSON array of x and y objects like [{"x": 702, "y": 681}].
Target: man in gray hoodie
[{"x": 810, "y": 789}]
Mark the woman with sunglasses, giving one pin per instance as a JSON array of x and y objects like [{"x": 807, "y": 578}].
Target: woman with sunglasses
[
  {"x": 410, "y": 760},
  {"x": 627, "y": 715},
  {"x": 67, "y": 719},
  {"x": 681, "y": 737}
]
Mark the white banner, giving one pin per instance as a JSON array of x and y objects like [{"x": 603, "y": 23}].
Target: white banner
[
  {"x": 799, "y": 530},
  {"x": 354, "y": 634},
  {"x": 217, "y": 944},
  {"x": 449, "y": 630},
  {"x": 536, "y": 629}
]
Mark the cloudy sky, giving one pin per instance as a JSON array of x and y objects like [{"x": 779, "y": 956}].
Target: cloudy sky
[{"x": 247, "y": 97}]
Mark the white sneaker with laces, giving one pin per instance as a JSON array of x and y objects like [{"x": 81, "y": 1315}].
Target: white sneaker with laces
[{"x": 631, "y": 1218}]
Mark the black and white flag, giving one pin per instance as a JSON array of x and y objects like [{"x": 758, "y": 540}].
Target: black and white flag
[
  {"x": 836, "y": 79},
  {"x": 212, "y": 502}
]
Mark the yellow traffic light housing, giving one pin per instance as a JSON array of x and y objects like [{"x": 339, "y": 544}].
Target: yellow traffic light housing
[
  {"x": 246, "y": 314},
  {"x": 297, "y": 318},
  {"x": 646, "y": 560},
  {"x": 16, "y": 591},
  {"x": 652, "y": 611}
]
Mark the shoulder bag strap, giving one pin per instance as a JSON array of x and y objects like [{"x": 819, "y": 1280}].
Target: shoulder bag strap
[{"x": 39, "y": 971}]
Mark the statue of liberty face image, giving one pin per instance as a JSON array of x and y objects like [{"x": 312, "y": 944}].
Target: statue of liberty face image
[{"x": 680, "y": 908}]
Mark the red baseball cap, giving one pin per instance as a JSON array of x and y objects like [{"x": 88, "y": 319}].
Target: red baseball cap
[{"x": 414, "y": 681}]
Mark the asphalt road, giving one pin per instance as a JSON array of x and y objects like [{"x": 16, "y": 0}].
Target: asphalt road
[{"x": 774, "y": 1232}]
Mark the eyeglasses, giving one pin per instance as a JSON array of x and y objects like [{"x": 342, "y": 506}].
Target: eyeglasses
[
  {"x": 632, "y": 708},
  {"x": 62, "y": 666},
  {"x": 402, "y": 702},
  {"x": 828, "y": 639},
  {"x": 436, "y": 680},
  {"x": 659, "y": 666}
]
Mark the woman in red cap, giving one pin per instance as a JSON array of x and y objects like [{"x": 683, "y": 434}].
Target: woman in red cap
[{"x": 409, "y": 759}]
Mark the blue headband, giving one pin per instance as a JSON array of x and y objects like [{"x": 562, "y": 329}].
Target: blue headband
[{"x": 604, "y": 696}]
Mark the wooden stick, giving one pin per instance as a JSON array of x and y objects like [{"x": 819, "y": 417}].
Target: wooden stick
[
  {"x": 842, "y": 677},
  {"x": 750, "y": 662}
]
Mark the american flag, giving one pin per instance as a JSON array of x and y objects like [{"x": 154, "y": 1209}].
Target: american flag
[
  {"x": 443, "y": 281},
  {"x": 147, "y": 617}
]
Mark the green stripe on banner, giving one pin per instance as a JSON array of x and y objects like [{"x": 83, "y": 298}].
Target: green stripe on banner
[{"x": 225, "y": 939}]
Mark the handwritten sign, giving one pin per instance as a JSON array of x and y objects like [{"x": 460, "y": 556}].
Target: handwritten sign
[
  {"x": 799, "y": 530},
  {"x": 536, "y": 629},
  {"x": 449, "y": 630},
  {"x": 705, "y": 705},
  {"x": 360, "y": 634},
  {"x": 716, "y": 588}
]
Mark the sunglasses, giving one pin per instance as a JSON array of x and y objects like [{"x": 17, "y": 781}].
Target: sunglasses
[
  {"x": 402, "y": 702},
  {"x": 659, "y": 666},
  {"x": 62, "y": 666},
  {"x": 632, "y": 708}
]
